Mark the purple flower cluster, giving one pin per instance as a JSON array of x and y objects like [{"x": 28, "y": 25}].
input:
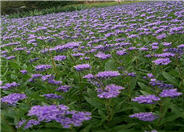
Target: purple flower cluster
[
  {"x": 63, "y": 88},
  {"x": 81, "y": 67},
  {"x": 59, "y": 58},
  {"x": 164, "y": 55},
  {"x": 162, "y": 61},
  {"x": 58, "y": 113},
  {"x": 102, "y": 56},
  {"x": 52, "y": 96},
  {"x": 148, "y": 99},
  {"x": 8, "y": 86},
  {"x": 170, "y": 93},
  {"x": 110, "y": 91},
  {"x": 88, "y": 76},
  {"x": 34, "y": 76},
  {"x": 31, "y": 123},
  {"x": 144, "y": 116},
  {"x": 121, "y": 52},
  {"x": 13, "y": 98},
  {"x": 159, "y": 84},
  {"x": 43, "y": 67},
  {"x": 23, "y": 71},
  {"x": 107, "y": 74}
]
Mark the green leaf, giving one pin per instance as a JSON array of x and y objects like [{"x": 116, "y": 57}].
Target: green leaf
[
  {"x": 109, "y": 65},
  {"x": 144, "y": 92},
  {"x": 143, "y": 86},
  {"x": 170, "y": 78},
  {"x": 94, "y": 102}
]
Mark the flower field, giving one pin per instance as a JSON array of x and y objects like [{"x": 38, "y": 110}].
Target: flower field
[{"x": 111, "y": 69}]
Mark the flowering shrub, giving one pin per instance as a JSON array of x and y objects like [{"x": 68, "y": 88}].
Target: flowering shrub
[{"x": 118, "y": 69}]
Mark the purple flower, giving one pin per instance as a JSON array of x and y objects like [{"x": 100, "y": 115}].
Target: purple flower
[
  {"x": 162, "y": 61},
  {"x": 52, "y": 96},
  {"x": 81, "y": 67},
  {"x": 161, "y": 36},
  {"x": 60, "y": 114},
  {"x": 52, "y": 81},
  {"x": 46, "y": 77},
  {"x": 144, "y": 116},
  {"x": 110, "y": 91},
  {"x": 107, "y": 74},
  {"x": 163, "y": 55},
  {"x": 150, "y": 75},
  {"x": 42, "y": 67},
  {"x": 12, "y": 99},
  {"x": 170, "y": 93},
  {"x": 10, "y": 57},
  {"x": 159, "y": 84},
  {"x": 121, "y": 52},
  {"x": 131, "y": 74},
  {"x": 64, "y": 88},
  {"x": 31, "y": 123},
  {"x": 148, "y": 99},
  {"x": 20, "y": 123},
  {"x": 59, "y": 58},
  {"x": 102, "y": 56},
  {"x": 181, "y": 46},
  {"x": 23, "y": 71},
  {"x": 166, "y": 44},
  {"x": 34, "y": 59},
  {"x": 78, "y": 54},
  {"x": 89, "y": 76},
  {"x": 7, "y": 86},
  {"x": 34, "y": 76}
]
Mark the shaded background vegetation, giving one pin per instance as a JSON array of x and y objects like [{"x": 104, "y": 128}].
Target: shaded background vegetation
[{"x": 9, "y": 7}]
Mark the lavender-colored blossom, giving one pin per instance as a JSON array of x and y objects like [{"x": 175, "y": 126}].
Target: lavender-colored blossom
[
  {"x": 59, "y": 58},
  {"x": 160, "y": 84},
  {"x": 148, "y": 99},
  {"x": 34, "y": 76},
  {"x": 170, "y": 93},
  {"x": 60, "y": 114},
  {"x": 52, "y": 81},
  {"x": 110, "y": 91},
  {"x": 166, "y": 44},
  {"x": 163, "y": 55},
  {"x": 31, "y": 123},
  {"x": 20, "y": 123},
  {"x": 102, "y": 56},
  {"x": 7, "y": 86},
  {"x": 81, "y": 67},
  {"x": 161, "y": 36},
  {"x": 34, "y": 59},
  {"x": 46, "y": 77},
  {"x": 23, "y": 71},
  {"x": 64, "y": 88},
  {"x": 10, "y": 57},
  {"x": 12, "y": 99},
  {"x": 89, "y": 76},
  {"x": 52, "y": 96},
  {"x": 42, "y": 67},
  {"x": 131, "y": 74},
  {"x": 107, "y": 74},
  {"x": 162, "y": 61},
  {"x": 181, "y": 46},
  {"x": 78, "y": 54},
  {"x": 144, "y": 116},
  {"x": 121, "y": 52},
  {"x": 150, "y": 75}
]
